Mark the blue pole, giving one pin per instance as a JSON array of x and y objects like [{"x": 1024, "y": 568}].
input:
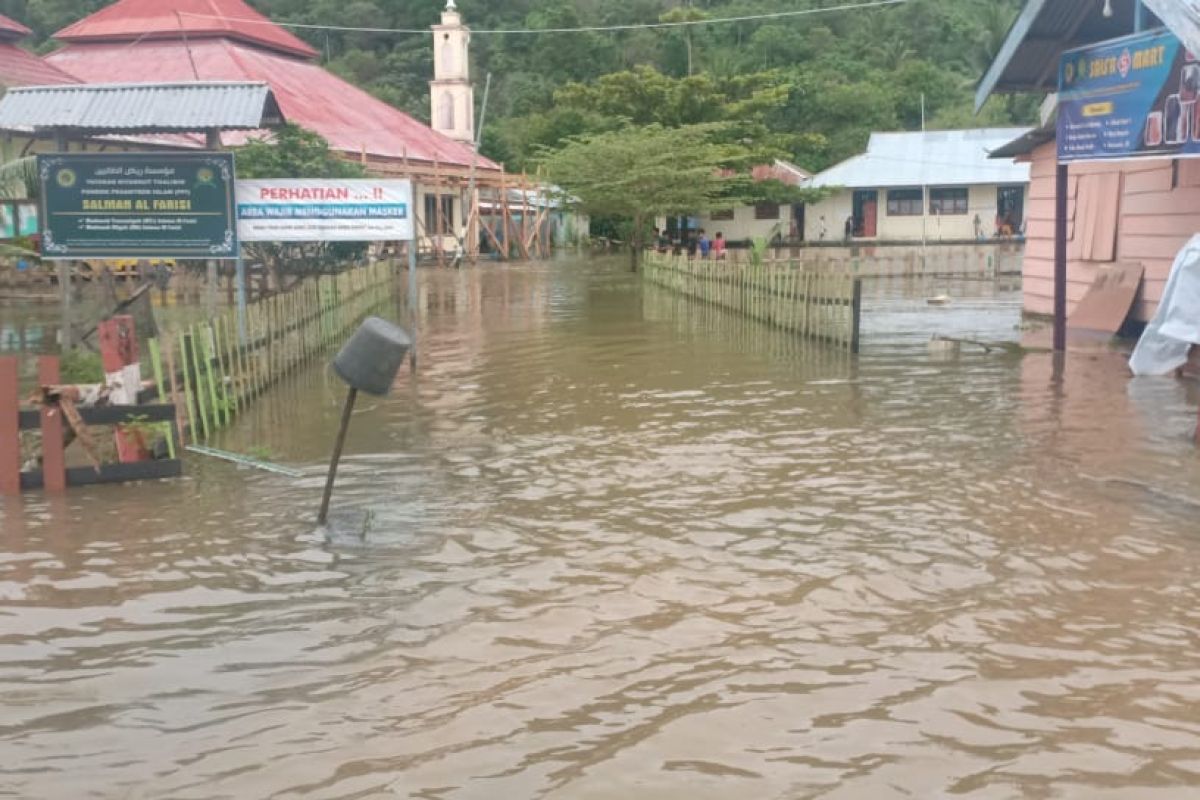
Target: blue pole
[{"x": 1139, "y": 16}]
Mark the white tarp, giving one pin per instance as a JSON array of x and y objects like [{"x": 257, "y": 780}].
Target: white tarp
[
  {"x": 1169, "y": 337},
  {"x": 325, "y": 210},
  {"x": 1182, "y": 17}
]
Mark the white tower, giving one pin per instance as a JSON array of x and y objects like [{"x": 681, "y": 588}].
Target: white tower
[{"x": 452, "y": 100}]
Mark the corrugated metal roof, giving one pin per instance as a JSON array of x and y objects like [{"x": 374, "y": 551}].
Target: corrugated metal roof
[
  {"x": 19, "y": 67},
  {"x": 11, "y": 29},
  {"x": 1028, "y": 59},
  {"x": 129, "y": 20},
  {"x": 935, "y": 158},
  {"x": 1027, "y": 142},
  {"x": 146, "y": 107},
  {"x": 351, "y": 120}
]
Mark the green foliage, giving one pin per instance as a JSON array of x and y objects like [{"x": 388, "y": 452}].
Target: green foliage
[
  {"x": 639, "y": 173},
  {"x": 293, "y": 152},
  {"x": 81, "y": 366},
  {"x": 810, "y": 89}
]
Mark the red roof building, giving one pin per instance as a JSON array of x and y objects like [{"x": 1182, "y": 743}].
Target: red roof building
[
  {"x": 172, "y": 19},
  {"x": 19, "y": 67},
  {"x": 169, "y": 40}
]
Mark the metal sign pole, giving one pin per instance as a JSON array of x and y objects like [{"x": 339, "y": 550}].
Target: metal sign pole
[
  {"x": 347, "y": 411},
  {"x": 412, "y": 298}
]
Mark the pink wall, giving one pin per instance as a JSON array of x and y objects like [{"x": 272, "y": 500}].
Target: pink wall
[{"x": 1156, "y": 205}]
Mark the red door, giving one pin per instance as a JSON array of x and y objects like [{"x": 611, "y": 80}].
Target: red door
[
  {"x": 866, "y": 212},
  {"x": 870, "y": 213}
]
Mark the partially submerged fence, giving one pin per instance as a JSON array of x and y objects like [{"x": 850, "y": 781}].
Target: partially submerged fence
[
  {"x": 204, "y": 375},
  {"x": 817, "y": 304},
  {"x": 984, "y": 261},
  {"x": 211, "y": 375}
]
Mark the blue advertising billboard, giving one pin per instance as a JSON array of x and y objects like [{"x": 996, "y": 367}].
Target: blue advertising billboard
[{"x": 1133, "y": 97}]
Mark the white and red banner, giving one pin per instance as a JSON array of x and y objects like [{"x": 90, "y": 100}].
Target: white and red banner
[{"x": 325, "y": 210}]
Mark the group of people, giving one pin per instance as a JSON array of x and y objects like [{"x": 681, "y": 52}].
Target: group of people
[{"x": 695, "y": 246}]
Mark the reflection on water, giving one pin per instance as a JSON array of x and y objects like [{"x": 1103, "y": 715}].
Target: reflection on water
[{"x": 607, "y": 544}]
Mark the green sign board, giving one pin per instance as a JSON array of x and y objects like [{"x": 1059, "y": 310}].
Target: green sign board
[{"x": 138, "y": 205}]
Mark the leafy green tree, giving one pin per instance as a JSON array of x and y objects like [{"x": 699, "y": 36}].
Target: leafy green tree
[
  {"x": 293, "y": 152},
  {"x": 687, "y": 32},
  {"x": 810, "y": 88},
  {"x": 642, "y": 173}
]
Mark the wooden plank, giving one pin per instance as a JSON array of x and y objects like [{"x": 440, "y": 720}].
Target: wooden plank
[
  {"x": 1154, "y": 180},
  {"x": 10, "y": 428},
  {"x": 1107, "y": 303},
  {"x": 1178, "y": 227},
  {"x": 110, "y": 473},
  {"x": 54, "y": 458}
]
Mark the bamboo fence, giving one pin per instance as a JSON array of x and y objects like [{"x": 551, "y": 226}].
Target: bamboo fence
[
  {"x": 817, "y": 304},
  {"x": 211, "y": 376},
  {"x": 982, "y": 261}
]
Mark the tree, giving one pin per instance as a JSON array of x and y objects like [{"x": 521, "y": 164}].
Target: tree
[
  {"x": 293, "y": 152},
  {"x": 643, "y": 173},
  {"x": 686, "y": 14}
]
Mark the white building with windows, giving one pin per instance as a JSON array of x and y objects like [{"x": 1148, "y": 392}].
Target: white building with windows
[
  {"x": 923, "y": 186},
  {"x": 741, "y": 224}
]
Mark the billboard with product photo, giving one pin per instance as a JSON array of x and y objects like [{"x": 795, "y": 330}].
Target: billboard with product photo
[
  {"x": 1133, "y": 97},
  {"x": 299, "y": 210}
]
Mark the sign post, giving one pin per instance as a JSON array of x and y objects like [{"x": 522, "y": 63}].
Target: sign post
[
  {"x": 359, "y": 210},
  {"x": 298, "y": 210},
  {"x": 137, "y": 205},
  {"x": 1127, "y": 98}
]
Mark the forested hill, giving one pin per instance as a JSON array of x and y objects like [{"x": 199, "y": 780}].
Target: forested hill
[{"x": 811, "y": 87}]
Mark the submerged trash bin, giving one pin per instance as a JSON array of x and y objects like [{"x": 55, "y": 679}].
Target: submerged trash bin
[{"x": 368, "y": 363}]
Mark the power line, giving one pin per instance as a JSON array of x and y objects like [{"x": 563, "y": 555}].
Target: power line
[{"x": 868, "y": 4}]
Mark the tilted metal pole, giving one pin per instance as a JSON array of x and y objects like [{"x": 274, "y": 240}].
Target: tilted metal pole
[{"x": 347, "y": 411}]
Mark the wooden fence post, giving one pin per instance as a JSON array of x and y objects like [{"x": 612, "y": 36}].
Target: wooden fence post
[
  {"x": 54, "y": 457},
  {"x": 10, "y": 427}
]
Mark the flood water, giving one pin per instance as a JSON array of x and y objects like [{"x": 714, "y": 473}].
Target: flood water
[{"x": 608, "y": 544}]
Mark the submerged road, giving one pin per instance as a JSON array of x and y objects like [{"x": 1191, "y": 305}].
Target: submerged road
[{"x": 608, "y": 544}]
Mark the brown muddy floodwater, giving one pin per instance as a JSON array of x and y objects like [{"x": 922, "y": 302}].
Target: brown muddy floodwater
[{"x": 610, "y": 545}]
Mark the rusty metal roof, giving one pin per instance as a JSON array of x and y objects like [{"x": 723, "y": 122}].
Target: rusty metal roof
[
  {"x": 141, "y": 107},
  {"x": 11, "y": 29},
  {"x": 19, "y": 67},
  {"x": 140, "y": 20},
  {"x": 351, "y": 120}
]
